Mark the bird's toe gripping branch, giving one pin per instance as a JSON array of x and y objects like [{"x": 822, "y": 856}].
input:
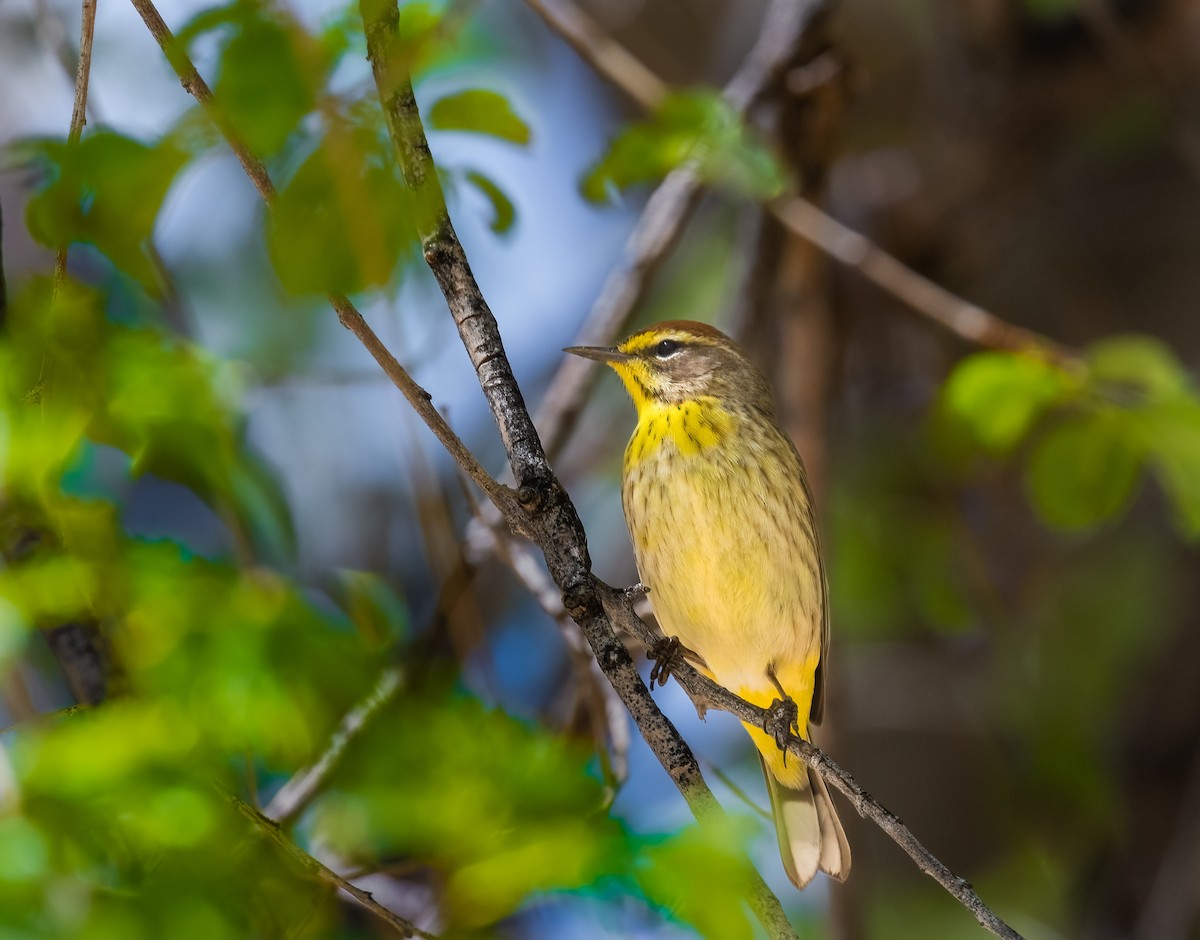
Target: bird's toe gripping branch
[
  {"x": 668, "y": 654},
  {"x": 783, "y": 718}
]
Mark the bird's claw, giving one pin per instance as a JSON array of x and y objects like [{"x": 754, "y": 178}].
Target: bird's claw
[
  {"x": 783, "y": 717},
  {"x": 667, "y": 655}
]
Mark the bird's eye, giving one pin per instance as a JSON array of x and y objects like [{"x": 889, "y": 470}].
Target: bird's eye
[{"x": 666, "y": 348}]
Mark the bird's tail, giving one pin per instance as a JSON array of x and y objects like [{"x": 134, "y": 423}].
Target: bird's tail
[{"x": 810, "y": 834}]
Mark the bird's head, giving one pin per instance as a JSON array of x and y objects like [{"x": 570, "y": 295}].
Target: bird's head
[{"x": 682, "y": 360}]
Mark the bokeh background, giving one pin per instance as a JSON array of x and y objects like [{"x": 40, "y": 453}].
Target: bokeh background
[{"x": 1011, "y": 544}]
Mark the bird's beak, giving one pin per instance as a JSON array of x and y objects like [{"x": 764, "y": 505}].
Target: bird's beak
[{"x": 599, "y": 353}]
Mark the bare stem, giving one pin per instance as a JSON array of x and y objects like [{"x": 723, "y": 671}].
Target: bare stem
[
  {"x": 295, "y": 795},
  {"x": 78, "y": 113},
  {"x": 271, "y": 829}
]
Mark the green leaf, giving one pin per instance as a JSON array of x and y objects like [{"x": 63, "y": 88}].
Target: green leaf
[
  {"x": 996, "y": 397},
  {"x": 1172, "y": 435},
  {"x": 701, "y": 876},
  {"x": 503, "y": 213},
  {"x": 1084, "y": 470},
  {"x": 270, "y": 73},
  {"x": 106, "y": 191},
  {"x": 210, "y": 19},
  {"x": 1143, "y": 364},
  {"x": 500, "y": 808},
  {"x": 479, "y": 111},
  {"x": 379, "y": 614},
  {"x": 696, "y": 126},
  {"x": 342, "y": 222}
]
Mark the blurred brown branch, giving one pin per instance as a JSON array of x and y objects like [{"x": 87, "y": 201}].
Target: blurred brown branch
[
  {"x": 271, "y": 829},
  {"x": 854, "y": 250},
  {"x": 78, "y": 111}
]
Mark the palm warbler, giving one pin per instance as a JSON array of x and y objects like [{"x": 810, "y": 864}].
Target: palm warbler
[{"x": 724, "y": 530}]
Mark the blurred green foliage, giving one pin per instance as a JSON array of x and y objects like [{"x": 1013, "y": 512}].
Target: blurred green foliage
[
  {"x": 118, "y": 821},
  {"x": 106, "y": 191},
  {"x": 694, "y": 127},
  {"x": 1091, "y": 430},
  {"x": 481, "y": 112}
]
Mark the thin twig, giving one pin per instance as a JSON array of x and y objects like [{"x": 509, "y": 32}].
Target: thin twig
[
  {"x": 594, "y": 45},
  {"x": 966, "y": 320},
  {"x": 707, "y": 694},
  {"x": 604, "y": 707},
  {"x": 271, "y": 829},
  {"x": 304, "y": 785},
  {"x": 78, "y": 113}
]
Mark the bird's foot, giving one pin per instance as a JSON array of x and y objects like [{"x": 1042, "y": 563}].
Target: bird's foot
[
  {"x": 668, "y": 654},
  {"x": 783, "y": 717}
]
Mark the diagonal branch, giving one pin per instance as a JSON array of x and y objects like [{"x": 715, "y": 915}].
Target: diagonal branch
[
  {"x": 707, "y": 694},
  {"x": 304, "y": 785},
  {"x": 314, "y": 866},
  {"x": 78, "y": 111},
  {"x": 968, "y": 321}
]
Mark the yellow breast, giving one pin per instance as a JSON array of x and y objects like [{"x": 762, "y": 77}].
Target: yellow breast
[
  {"x": 689, "y": 428},
  {"x": 722, "y": 531}
]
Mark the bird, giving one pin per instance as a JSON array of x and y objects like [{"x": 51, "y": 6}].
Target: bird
[{"x": 724, "y": 531}]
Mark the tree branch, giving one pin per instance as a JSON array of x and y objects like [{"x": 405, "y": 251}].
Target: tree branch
[
  {"x": 304, "y": 785},
  {"x": 78, "y": 112},
  {"x": 271, "y": 829},
  {"x": 546, "y": 513},
  {"x": 966, "y": 320},
  {"x": 594, "y": 45}
]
